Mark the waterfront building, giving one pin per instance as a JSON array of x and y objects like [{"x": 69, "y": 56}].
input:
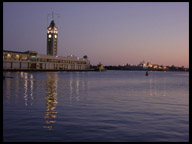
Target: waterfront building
[{"x": 31, "y": 60}]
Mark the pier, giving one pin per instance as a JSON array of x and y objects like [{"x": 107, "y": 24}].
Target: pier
[{"x": 32, "y": 61}]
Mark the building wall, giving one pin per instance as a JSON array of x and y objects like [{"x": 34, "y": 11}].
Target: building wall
[
  {"x": 24, "y": 65},
  {"x": 15, "y": 65},
  {"x": 7, "y": 65}
]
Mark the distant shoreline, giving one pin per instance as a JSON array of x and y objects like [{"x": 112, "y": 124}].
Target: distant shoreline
[{"x": 14, "y": 70}]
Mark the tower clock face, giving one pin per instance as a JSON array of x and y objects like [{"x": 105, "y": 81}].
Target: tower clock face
[
  {"x": 49, "y": 35},
  {"x": 55, "y": 36}
]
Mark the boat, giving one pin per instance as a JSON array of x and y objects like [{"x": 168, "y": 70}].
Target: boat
[{"x": 100, "y": 68}]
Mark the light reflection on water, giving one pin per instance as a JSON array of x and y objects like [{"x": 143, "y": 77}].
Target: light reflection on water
[
  {"x": 28, "y": 88},
  {"x": 154, "y": 87},
  {"x": 76, "y": 84},
  {"x": 51, "y": 100},
  {"x": 91, "y": 106}
]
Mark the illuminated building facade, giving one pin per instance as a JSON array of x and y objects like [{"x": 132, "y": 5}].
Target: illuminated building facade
[
  {"x": 31, "y": 60},
  {"x": 52, "y": 38}
]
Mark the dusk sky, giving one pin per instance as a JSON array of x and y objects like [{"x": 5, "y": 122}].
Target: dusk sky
[{"x": 113, "y": 33}]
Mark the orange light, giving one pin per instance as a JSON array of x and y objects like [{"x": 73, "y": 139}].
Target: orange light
[
  {"x": 17, "y": 56},
  {"x": 8, "y": 55},
  {"x": 150, "y": 65},
  {"x": 155, "y": 67}
]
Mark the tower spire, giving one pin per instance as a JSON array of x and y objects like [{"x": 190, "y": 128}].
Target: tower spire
[
  {"x": 52, "y": 35},
  {"x": 52, "y": 15}
]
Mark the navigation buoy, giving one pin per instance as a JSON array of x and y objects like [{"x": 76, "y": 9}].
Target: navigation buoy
[{"x": 146, "y": 73}]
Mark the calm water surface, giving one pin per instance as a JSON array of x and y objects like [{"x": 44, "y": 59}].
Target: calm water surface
[{"x": 96, "y": 106}]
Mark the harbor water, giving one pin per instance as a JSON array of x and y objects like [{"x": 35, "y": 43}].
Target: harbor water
[{"x": 110, "y": 106}]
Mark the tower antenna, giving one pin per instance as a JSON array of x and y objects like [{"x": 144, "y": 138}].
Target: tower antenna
[{"x": 52, "y": 16}]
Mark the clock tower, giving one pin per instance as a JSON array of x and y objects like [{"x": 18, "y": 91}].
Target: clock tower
[{"x": 52, "y": 36}]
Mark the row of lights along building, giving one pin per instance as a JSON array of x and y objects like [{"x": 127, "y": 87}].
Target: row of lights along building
[{"x": 31, "y": 60}]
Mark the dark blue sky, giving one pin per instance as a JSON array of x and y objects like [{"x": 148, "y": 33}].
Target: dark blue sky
[{"x": 110, "y": 33}]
